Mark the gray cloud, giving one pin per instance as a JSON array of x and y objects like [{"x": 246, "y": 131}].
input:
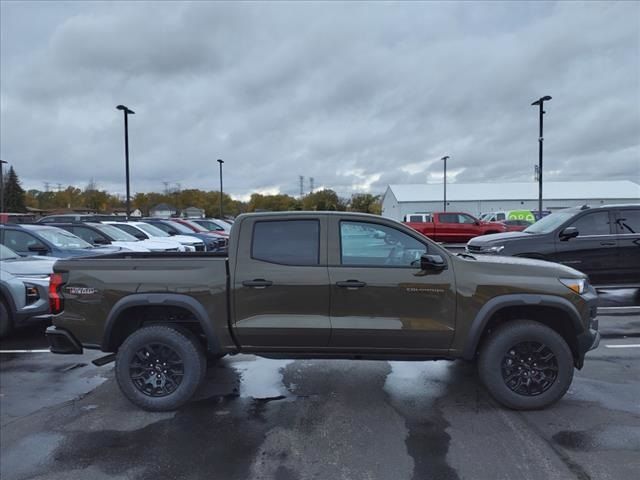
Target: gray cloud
[{"x": 356, "y": 95}]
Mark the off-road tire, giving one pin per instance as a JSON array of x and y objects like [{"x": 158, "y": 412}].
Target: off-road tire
[
  {"x": 6, "y": 325},
  {"x": 495, "y": 349},
  {"x": 184, "y": 343}
]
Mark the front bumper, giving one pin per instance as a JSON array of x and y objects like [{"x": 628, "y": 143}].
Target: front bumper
[
  {"x": 62, "y": 341},
  {"x": 590, "y": 338}
]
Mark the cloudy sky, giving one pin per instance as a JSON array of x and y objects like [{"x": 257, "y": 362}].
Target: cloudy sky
[{"x": 356, "y": 95}]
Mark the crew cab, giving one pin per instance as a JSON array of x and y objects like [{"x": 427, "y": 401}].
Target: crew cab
[
  {"x": 453, "y": 227},
  {"x": 324, "y": 285}
]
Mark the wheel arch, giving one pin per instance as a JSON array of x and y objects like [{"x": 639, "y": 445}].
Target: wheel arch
[
  {"x": 7, "y": 299},
  {"x": 115, "y": 330},
  {"x": 555, "y": 312}
]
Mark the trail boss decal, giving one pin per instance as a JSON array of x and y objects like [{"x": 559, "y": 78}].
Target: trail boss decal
[{"x": 81, "y": 290}]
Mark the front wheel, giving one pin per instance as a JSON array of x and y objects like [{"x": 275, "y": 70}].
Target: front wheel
[
  {"x": 159, "y": 368},
  {"x": 526, "y": 365}
]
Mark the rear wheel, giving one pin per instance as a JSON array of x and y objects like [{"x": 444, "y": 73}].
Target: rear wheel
[
  {"x": 159, "y": 367},
  {"x": 526, "y": 365},
  {"x": 5, "y": 320}
]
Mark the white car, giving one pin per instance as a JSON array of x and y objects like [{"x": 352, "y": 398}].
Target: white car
[{"x": 144, "y": 231}]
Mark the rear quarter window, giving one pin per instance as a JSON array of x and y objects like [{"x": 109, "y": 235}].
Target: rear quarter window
[{"x": 287, "y": 242}]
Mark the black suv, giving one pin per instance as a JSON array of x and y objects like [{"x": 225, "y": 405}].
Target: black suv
[{"x": 603, "y": 242}]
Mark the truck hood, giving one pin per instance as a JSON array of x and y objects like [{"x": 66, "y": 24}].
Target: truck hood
[
  {"x": 496, "y": 238},
  {"x": 28, "y": 266},
  {"x": 491, "y": 263}
]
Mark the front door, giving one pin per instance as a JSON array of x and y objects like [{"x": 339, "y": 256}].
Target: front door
[
  {"x": 281, "y": 284},
  {"x": 594, "y": 251},
  {"x": 380, "y": 298}
]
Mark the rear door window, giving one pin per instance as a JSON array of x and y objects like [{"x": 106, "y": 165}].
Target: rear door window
[
  {"x": 629, "y": 221},
  {"x": 596, "y": 223},
  {"x": 416, "y": 218},
  {"x": 449, "y": 218},
  {"x": 287, "y": 242}
]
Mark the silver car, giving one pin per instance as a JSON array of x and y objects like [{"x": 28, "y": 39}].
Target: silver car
[{"x": 24, "y": 284}]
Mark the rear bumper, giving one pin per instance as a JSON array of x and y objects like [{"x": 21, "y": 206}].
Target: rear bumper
[{"x": 62, "y": 341}]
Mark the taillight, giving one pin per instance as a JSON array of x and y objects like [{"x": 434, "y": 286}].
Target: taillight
[{"x": 56, "y": 302}]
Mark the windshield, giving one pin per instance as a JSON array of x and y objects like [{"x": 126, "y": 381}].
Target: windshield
[
  {"x": 151, "y": 230},
  {"x": 116, "y": 234},
  {"x": 181, "y": 228},
  {"x": 211, "y": 225},
  {"x": 63, "y": 239},
  {"x": 7, "y": 254},
  {"x": 550, "y": 222},
  {"x": 197, "y": 227}
]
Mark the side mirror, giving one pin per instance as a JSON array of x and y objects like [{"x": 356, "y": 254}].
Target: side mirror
[
  {"x": 172, "y": 233},
  {"x": 432, "y": 262},
  {"x": 568, "y": 233},
  {"x": 477, "y": 222},
  {"x": 39, "y": 248},
  {"x": 101, "y": 241},
  {"x": 140, "y": 236}
]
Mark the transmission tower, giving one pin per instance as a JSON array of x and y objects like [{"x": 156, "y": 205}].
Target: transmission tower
[
  {"x": 311, "y": 184},
  {"x": 46, "y": 187},
  {"x": 301, "y": 178}
]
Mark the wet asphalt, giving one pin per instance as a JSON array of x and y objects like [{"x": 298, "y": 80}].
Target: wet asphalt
[{"x": 63, "y": 418}]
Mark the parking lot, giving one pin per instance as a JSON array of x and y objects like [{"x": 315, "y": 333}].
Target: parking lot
[{"x": 63, "y": 418}]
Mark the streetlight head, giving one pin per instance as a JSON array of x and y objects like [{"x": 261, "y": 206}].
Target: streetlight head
[
  {"x": 446, "y": 157},
  {"x": 220, "y": 161},
  {"x": 3, "y": 161},
  {"x": 546, "y": 98},
  {"x": 125, "y": 109}
]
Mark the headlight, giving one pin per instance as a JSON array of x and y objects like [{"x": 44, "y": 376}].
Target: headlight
[
  {"x": 494, "y": 249},
  {"x": 578, "y": 285}
]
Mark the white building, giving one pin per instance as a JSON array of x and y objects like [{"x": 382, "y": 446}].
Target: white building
[{"x": 478, "y": 198}]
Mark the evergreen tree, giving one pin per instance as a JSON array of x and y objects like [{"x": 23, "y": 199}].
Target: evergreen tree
[{"x": 14, "y": 196}]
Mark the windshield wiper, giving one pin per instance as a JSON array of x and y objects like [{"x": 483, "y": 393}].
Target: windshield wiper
[{"x": 466, "y": 255}]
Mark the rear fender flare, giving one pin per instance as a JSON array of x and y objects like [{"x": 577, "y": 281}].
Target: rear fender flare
[
  {"x": 497, "y": 303},
  {"x": 161, "y": 299}
]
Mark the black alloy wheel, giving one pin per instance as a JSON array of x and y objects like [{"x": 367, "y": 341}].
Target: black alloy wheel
[
  {"x": 156, "y": 370},
  {"x": 529, "y": 368}
]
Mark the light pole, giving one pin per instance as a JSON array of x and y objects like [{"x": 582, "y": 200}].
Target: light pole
[
  {"x": 220, "y": 162},
  {"x": 540, "y": 103},
  {"x": 2, "y": 162},
  {"x": 127, "y": 111},
  {"x": 444, "y": 205}
]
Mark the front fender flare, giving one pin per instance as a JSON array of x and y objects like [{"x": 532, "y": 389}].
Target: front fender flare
[
  {"x": 162, "y": 300},
  {"x": 524, "y": 299}
]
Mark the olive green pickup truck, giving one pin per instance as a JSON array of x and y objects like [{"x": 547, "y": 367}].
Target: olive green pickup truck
[{"x": 325, "y": 285}]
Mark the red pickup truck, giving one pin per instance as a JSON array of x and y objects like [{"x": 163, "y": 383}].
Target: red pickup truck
[{"x": 454, "y": 227}]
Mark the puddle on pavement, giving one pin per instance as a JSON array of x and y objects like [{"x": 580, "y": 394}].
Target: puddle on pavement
[{"x": 260, "y": 377}]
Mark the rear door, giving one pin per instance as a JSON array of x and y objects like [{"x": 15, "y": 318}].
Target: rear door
[
  {"x": 595, "y": 250},
  {"x": 628, "y": 229},
  {"x": 380, "y": 299},
  {"x": 281, "y": 284}
]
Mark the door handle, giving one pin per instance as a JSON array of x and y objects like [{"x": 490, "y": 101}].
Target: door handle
[
  {"x": 257, "y": 283},
  {"x": 608, "y": 244},
  {"x": 351, "y": 284}
]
